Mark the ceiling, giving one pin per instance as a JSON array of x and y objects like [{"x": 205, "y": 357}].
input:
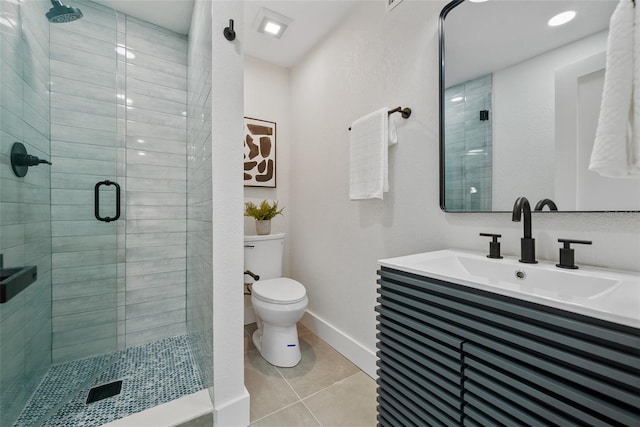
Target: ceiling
[{"x": 312, "y": 20}]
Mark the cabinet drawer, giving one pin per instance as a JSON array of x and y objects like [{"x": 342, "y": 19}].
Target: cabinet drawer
[{"x": 512, "y": 384}]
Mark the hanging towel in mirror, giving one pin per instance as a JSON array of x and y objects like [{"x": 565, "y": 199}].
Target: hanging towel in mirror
[
  {"x": 368, "y": 156},
  {"x": 616, "y": 150}
]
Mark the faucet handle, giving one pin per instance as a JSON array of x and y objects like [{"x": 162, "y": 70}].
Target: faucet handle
[
  {"x": 494, "y": 245},
  {"x": 567, "y": 254}
]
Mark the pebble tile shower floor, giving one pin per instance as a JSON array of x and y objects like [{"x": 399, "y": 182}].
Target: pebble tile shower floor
[{"x": 152, "y": 374}]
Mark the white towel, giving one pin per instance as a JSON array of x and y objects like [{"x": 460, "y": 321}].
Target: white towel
[
  {"x": 368, "y": 155},
  {"x": 635, "y": 150},
  {"x": 616, "y": 150}
]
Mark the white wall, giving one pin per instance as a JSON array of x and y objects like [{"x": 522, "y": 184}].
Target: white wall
[
  {"x": 231, "y": 399},
  {"x": 524, "y": 125},
  {"x": 267, "y": 97},
  {"x": 371, "y": 60}
]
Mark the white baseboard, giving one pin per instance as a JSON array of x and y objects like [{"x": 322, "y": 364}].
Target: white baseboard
[
  {"x": 358, "y": 354},
  {"x": 234, "y": 413},
  {"x": 170, "y": 414}
]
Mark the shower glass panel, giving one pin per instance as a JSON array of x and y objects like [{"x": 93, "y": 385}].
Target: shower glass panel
[
  {"x": 58, "y": 102},
  {"x": 25, "y": 226},
  {"x": 468, "y": 158}
]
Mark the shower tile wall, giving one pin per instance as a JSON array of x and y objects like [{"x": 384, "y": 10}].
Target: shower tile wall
[
  {"x": 468, "y": 156},
  {"x": 118, "y": 103},
  {"x": 25, "y": 230},
  {"x": 156, "y": 135},
  {"x": 199, "y": 169}
]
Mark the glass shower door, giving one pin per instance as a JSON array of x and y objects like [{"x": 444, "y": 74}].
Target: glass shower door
[{"x": 87, "y": 156}]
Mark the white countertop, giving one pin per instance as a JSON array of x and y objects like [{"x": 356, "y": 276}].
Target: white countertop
[{"x": 605, "y": 294}]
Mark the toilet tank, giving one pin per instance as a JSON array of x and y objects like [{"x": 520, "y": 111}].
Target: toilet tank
[{"x": 263, "y": 256}]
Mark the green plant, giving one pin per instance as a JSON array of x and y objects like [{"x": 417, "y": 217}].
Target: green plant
[{"x": 265, "y": 211}]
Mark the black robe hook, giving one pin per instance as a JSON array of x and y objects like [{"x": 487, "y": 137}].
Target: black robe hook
[{"x": 228, "y": 32}]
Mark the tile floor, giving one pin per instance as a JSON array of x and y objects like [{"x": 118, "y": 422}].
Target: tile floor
[{"x": 324, "y": 389}]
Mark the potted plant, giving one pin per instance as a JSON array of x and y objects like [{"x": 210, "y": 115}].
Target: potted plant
[{"x": 263, "y": 214}]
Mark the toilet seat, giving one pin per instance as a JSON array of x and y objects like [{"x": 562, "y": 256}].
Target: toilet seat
[{"x": 279, "y": 291}]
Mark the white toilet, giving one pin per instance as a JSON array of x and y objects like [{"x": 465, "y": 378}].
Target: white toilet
[{"x": 279, "y": 302}]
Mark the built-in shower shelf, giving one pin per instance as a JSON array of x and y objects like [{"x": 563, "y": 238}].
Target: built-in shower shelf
[{"x": 15, "y": 280}]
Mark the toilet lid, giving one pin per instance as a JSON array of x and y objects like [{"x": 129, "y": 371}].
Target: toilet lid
[{"x": 279, "y": 291}]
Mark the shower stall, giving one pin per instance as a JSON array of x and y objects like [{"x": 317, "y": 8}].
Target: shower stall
[{"x": 118, "y": 284}]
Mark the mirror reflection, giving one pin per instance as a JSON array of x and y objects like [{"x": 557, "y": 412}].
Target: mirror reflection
[{"x": 520, "y": 101}]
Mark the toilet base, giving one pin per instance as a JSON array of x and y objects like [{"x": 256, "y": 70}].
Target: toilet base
[{"x": 278, "y": 345}]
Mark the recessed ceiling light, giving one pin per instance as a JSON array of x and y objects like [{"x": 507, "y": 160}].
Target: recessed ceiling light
[
  {"x": 562, "y": 18},
  {"x": 271, "y": 23},
  {"x": 272, "y": 28},
  {"x": 457, "y": 99}
]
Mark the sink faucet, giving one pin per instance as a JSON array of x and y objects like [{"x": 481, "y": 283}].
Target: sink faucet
[
  {"x": 527, "y": 243},
  {"x": 546, "y": 202}
]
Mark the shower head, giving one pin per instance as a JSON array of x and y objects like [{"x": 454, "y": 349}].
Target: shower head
[{"x": 60, "y": 13}]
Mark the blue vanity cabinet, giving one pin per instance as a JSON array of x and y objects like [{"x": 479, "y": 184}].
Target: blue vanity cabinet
[{"x": 453, "y": 355}]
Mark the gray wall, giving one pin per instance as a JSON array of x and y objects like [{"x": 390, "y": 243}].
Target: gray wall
[
  {"x": 25, "y": 229},
  {"x": 120, "y": 116}
]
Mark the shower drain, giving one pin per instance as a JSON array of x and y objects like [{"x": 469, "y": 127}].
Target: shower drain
[{"x": 103, "y": 391}]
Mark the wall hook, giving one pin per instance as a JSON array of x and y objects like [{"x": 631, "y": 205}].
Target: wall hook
[{"x": 228, "y": 32}]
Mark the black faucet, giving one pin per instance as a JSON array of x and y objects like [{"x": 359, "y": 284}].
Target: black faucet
[
  {"x": 546, "y": 202},
  {"x": 527, "y": 243}
]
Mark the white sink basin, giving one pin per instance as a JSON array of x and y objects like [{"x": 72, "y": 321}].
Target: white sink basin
[{"x": 605, "y": 294}]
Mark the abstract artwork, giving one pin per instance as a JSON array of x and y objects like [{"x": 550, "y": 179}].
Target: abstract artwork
[{"x": 259, "y": 153}]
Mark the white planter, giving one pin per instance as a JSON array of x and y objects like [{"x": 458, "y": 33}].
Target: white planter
[{"x": 263, "y": 226}]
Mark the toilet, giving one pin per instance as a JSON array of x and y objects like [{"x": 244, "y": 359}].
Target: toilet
[{"x": 279, "y": 302}]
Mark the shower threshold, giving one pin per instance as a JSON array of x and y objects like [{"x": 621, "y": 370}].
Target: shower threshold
[{"x": 151, "y": 375}]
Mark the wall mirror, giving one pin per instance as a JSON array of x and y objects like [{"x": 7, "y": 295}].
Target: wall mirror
[{"x": 519, "y": 105}]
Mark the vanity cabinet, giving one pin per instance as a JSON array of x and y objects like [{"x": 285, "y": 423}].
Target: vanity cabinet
[{"x": 454, "y": 355}]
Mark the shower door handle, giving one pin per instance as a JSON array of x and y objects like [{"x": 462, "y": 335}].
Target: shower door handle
[{"x": 96, "y": 201}]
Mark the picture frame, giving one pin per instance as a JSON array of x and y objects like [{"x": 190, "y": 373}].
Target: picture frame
[{"x": 259, "y": 153}]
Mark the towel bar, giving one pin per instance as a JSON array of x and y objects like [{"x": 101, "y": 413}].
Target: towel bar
[{"x": 406, "y": 112}]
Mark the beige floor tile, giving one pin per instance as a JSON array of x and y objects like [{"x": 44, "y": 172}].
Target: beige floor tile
[
  {"x": 303, "y": 330},
  {"x": 350, "y": 402},
  {"x": 269, "y": 391},
  {"x": 203, "y": 421},
  {"x": 248, "y": 333},
  {"x": 292, "y": 416},
  {"x": 248, "y": 343},
  {"x": 248, "y": 329},
  {"x": 320, "y": 367}
]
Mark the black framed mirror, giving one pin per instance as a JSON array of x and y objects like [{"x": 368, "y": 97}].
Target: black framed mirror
[{"x": 519, "y": 105}]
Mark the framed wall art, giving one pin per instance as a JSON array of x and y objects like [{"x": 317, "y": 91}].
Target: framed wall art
[{"x": 259, "y": 153}]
